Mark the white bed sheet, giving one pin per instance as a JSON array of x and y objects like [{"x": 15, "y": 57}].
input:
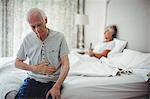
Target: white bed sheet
[
  {"x": 81, "y": 87},
  {"x": 119, "y": 87}
]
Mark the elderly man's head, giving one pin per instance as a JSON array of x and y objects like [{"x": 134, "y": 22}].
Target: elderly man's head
[
  {"x": 37, "y": 20},
  {"x": 36, "y": 11}
]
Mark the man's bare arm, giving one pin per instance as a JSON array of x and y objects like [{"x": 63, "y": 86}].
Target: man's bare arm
[
  {"x": 64, "y": 70},
  {"x": 21, "y": 65},
  {"x": 55, "y": 91}
]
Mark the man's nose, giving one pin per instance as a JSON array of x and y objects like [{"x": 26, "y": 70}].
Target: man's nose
[{"x": 37, "y": 28}]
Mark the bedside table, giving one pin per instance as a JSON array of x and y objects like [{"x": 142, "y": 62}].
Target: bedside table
[{"x": 80, "y": 51}]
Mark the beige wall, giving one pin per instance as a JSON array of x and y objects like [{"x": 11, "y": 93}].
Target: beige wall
[
  {"x": 94, "y": 30},
  {"x": 132, "y": 18}
]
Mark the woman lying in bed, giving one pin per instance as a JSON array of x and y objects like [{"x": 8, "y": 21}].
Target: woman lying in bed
[{"x": 103, "y": 48}]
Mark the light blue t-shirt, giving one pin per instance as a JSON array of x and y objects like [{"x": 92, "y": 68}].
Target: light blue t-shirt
[{"x": 50, "y": 50}]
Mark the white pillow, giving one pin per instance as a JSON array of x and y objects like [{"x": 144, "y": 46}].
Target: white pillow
[{"x": 119, "y": 46}]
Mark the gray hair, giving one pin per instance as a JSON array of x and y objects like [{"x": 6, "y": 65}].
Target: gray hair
[
  {"x": 113, "y": 29},
  {"x": 36, "y": 10}
]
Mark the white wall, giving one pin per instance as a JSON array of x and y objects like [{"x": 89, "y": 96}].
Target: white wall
[
  {"x": 133, "y": 20},
  {"x": 94, "y": 30}
]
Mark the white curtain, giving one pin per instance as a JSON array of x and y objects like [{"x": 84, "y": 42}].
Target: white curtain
[{"x": 14, "y": 27}]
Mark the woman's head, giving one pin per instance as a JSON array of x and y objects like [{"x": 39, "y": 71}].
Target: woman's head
[{"x": 110, "y": 32}]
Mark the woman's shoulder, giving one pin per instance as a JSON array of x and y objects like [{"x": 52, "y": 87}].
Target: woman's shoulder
[
  {"x": 108, "y": 42},
  {"x": 111, "y": 42}
]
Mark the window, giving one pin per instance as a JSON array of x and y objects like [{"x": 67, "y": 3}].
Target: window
[{"x": 14, "y": 27}]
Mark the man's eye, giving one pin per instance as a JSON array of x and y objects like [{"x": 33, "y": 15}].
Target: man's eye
[
  {"x": 39, "y": 25},
  {"x": 33, "y": 27}
]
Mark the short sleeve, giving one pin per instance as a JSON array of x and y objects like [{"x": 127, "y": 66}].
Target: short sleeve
[
  {"x": 64, "y": 50},
  {"x": 110, "y": 45},
  {"x": 100, "y": 47},
  {"x": 22, "y": 52}
]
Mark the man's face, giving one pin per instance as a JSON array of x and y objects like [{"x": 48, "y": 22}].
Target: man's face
[{"x": 38, "y": 24}]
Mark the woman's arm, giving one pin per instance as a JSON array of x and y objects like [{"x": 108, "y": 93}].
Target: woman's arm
[{"x": 99, "y": 55}]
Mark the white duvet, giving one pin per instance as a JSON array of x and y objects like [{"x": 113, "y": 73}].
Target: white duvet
[
  {"x": 90, "y": 66},
  {"x": 136, "y": 62}
]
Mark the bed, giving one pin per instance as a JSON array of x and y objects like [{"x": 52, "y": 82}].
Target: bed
[
  {"x": 125, "y": 87},
  {"x": 120, "y": 76},
  {"x": 100, "y": 82}
]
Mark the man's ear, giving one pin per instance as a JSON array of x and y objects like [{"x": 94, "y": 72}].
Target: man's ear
[{"x": 46, "y": 20}]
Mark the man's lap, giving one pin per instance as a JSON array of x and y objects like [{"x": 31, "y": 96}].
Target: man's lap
[{"x": 34, "y": 89}]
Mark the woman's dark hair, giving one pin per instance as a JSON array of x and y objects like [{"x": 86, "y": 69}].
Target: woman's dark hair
[{"x": 115, "y": 31}]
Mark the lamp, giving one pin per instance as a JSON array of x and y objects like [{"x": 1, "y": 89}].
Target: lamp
[
  {"x": 106, "y": 11},
  {"x": 81, "y": 20}
]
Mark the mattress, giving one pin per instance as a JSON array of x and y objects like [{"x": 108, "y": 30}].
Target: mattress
[{"x": 118, "y": 87}]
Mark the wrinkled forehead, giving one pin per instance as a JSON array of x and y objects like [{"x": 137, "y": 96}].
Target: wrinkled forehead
[
  {"x": 34, "y": 20},
  {"x": 35, "y": 17}
]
